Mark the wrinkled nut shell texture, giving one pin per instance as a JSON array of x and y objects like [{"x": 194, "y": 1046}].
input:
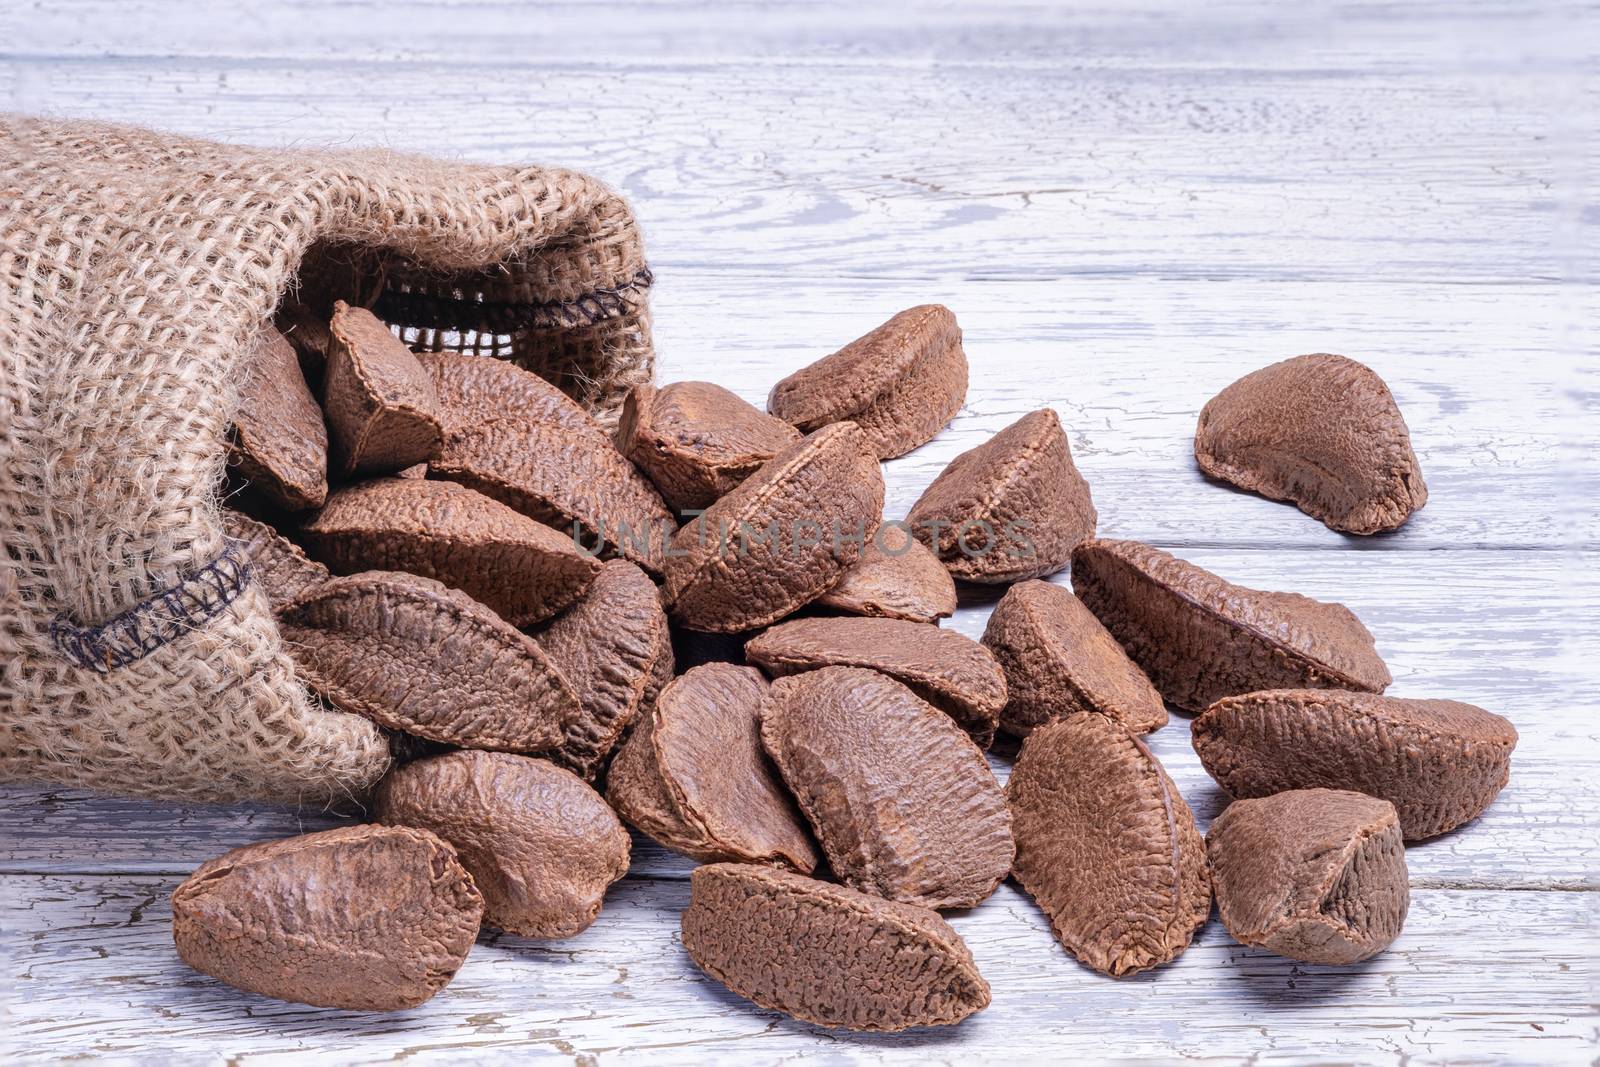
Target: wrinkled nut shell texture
[
  {"x": 902, "y": 802},
  {"x": 1058, "y": 659},
  {"x": 1200, "y": 638},
  {"x": 1012, "y": 508},
  {"x": 280, "y": 444},
  {"x": 902, "y": 383},
  {"x": 897, "y": 577},
  {"x": 1439, "y": 762},
  {"x": 752, "y": 558},
  {"x": 695, "y": 778},
  {"x": 381, "y": 404},
  {"x": 615, "y": 649},
  {"x": 826, "y": 953},
  {"x": 366, "y": 918},
  {"x": 577, "y": 483},
  {"x": 1317, "y": 875},
  {"x": 414, "y": 655},
  {"x": 541, "y": 845},
  {"x": 522, "y": 569},
  {"x": 276, "y": 562},
  {"x": 697, "y": 441},
  {"x": 1322, "y": 431},
  {"x": 1106, "y": 845},
  {"x": 947, "y": 669},
  {"x": 478, "y": 389}
]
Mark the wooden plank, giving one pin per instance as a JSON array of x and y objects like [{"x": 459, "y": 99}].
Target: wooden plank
[
  {"x": 1497, "y": 629},
  {"x": 1195, "y": 169},
  {"x": 1129, "y": 362},
  {"x": 95, "y": 975}
]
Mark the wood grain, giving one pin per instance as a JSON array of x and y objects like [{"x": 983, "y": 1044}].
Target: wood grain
[
  {"x": 98, "y": 975},
  {"x": 1128, "y": 206}
]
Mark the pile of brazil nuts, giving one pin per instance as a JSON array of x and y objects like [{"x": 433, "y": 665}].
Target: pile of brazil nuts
[{"x": 701, "y": 626}]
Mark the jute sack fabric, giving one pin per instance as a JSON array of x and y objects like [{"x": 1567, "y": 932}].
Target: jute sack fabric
[{"x": 136, "y": 654}]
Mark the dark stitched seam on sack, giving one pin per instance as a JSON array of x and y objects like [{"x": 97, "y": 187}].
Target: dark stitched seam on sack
[
  {"x": 425, "y": 310},
  {"x": 160, "y": 620}
]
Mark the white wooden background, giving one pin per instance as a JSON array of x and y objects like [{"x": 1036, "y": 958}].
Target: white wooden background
[{"x": 1128, "y": 206}]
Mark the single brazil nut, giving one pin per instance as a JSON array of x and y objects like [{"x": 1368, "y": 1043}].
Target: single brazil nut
[
  {"x": 477, "y": 389},
  {"x": 697, "y": 441},
  {"x": 781, "y": 539},
  {"x": 540, "y": 844},
  {"x": 1200, "y": 637},
  {"x": 1318, "y": 875},
  {"x": 1014, "y": 507},
  {"x": 279, "y": 444},
  {"x": 694, "y": 777},
  {"x": 902, "y": 802},
  {"x": 1441, "y": 763},
  {"x": 1106, "y": 845},
  {"x": 1321, "y": 431},
  {"x": 947, "y": 669},
  {"x": 521, "y": 568},
  {"x": 828, "y": 954},
  {"x": 615, "y": 648},
  {"x": 381, "y": 405},
  {"x": 1058, "y": 659},
  {"x": 365, "y": 918},
  {"x": 902, "y": 383},
  {"x": 576, "y": 482},
  {"x": 897, "y": 577},
  {"x": 414, "y": 655}
]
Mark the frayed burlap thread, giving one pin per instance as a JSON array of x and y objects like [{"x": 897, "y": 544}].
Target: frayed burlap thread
[{"x": 135, "y": 268}]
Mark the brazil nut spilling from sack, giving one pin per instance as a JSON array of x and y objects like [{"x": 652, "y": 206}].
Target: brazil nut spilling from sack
[
  {"x": 453, "y": 558},
  {"x": 511, "y": 593}
]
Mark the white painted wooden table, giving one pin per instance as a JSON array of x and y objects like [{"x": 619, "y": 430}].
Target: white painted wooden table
[{"x": 1128, "y": 206}]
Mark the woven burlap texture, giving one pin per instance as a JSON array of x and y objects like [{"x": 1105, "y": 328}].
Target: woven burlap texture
[{"x": 135, "y": 268}]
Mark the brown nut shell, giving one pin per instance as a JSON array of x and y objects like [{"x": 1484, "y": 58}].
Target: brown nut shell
[
  {"x": 1318, "y": 875},
  {"x": 478, "y": 389},
  {"x": 1200, "y": 638},
  {"x": 412, "y": 654},
  {"x": 947, "y": 669},
  {"x": 280, "y": 445},
  {"x": 307, "y": 333},
  {"x": 1439, "y": 762},
  {"x": 381, "y": 405},
  {"x": 541, "y": 846},
  {"x": 615, "y": 649},
  {"x": 749, "y": 561},
  {"x": 826, "y": 953},
  {"x": 902, "y": 802},
  {"x": 694, "y": 776},
  {"x": 1012, "y": 508},
  {"x": 1106, "y": 845},
  {"x": 522, "y": 569},
  {"x": 1058, "y": 659},
  {"x": 902, "y": 383},
  {"x": 697, "y": 441},
  {"x": 366, "y": 918},
  {"x": 897, "y": 577},
  {"x": 1322, "y": 431},
  {"x": 576, "y": 482},
  {"x": 278, "y": 564}
]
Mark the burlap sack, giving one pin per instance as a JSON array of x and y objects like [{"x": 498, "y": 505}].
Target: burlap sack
[{"x": 135, "y": 653}]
